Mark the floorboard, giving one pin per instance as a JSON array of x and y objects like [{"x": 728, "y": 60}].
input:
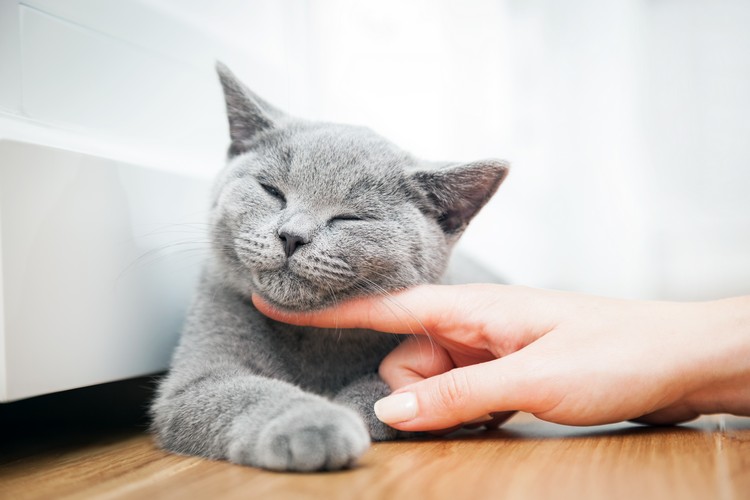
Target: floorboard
[{"x": 527, "y": 459}]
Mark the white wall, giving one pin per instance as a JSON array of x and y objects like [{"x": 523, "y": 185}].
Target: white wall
[{"x": 630, "y": 126}]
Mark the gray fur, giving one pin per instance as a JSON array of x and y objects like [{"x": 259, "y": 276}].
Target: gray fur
[{"x": 371, "y": 219}]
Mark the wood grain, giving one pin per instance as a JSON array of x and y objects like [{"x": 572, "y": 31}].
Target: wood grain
[{"x": 528, "y": 459}]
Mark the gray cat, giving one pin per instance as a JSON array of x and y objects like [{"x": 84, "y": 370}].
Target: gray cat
[{"x": 305, "y": 214}]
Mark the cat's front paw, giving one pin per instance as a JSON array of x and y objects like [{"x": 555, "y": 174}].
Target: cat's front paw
[
  {"x": 312, "y": 436},
  {"x": 361, "y": 396}
]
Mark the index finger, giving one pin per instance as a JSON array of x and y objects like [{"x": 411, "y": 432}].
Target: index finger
[{"x": 419, "y": 310}]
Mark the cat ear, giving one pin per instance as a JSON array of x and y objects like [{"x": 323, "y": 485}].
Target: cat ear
[
  {"x": 248, "y": 114},
  {"x": 453, "y": 195}
]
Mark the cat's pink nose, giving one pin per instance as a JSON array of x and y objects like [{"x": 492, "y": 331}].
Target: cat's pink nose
[{"x": 291, "y": 242}]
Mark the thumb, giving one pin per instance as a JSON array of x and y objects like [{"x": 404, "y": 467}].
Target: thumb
[{"x": 457, "y": 396}]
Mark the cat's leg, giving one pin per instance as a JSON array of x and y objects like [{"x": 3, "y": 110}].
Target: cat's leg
[
  {"x": 248, "y": 419},
  {"x": 360, "y": 396}
]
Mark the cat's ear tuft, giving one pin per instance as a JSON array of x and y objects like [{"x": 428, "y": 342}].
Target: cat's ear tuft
[
  {"x": 248, "y": 114},
  {"x": 454, "y": 194}
]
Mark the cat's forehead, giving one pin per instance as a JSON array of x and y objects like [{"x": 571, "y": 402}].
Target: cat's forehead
[{"x": 335, "y": 160}]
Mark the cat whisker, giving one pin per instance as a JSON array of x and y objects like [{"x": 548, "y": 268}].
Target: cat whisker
[
  {"x": 182, "y": 227},
  {"x": 153, "y": 255},
  {"x": 337, "y": 330},
  {"x": 389, "y": 297}
]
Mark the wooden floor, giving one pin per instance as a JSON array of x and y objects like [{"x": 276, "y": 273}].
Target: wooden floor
[{"x": 528, "y": 459}]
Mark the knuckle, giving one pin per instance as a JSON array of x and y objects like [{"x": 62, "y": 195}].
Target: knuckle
[
  {"x": 388, "y": 367},
  {"x": 453, "y": 389},
  {"x": 401, "y": 365},
  {"x": 397, "y": 357}
]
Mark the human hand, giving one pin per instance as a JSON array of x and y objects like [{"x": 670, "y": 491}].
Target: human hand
[{"x": 565, "y": 357}]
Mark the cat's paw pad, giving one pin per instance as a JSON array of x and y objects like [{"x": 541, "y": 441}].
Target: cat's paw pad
[{"x": 311, "y": 437}]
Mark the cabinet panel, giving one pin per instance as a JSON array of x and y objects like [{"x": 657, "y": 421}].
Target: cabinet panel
[{"x": 99, "y": 259}]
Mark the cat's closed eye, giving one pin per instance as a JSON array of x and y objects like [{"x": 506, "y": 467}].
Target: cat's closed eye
[
  {"x": 273, "y": 192},
  {"x": 346, "y": 217}
]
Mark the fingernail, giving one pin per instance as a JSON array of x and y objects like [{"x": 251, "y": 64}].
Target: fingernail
[
  {"x": 479, "y": 420},
  {"x": 396, "y": 408}
]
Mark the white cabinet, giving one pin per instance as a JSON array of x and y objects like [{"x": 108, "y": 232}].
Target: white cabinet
[{"x": 98, "y": 262}]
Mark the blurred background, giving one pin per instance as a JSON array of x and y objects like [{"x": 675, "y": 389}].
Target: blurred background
[{"x": 626, "y": 122}]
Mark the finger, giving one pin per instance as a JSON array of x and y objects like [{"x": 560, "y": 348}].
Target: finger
[
  {"x": 460, "y": 395},
  {"x": 498, "y": 419},
  {"x": 419, "y": 310},
  {"x": 668, "y": 416},
  {"x": 468, "y": 314},
  {"x": 445, "y": 432},
  {"x": 414, "y": 360},
  {"x": 419, "y": 358}
]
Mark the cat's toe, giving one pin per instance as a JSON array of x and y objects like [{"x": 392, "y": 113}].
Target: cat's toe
[
  {"x": 380, "y": 431},
  {"x": 384, "y": 432},
  {"x": 323, "y": 436}
]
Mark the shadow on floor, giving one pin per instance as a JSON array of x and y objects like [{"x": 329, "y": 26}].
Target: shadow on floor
[{"x": 53, "y": 421}]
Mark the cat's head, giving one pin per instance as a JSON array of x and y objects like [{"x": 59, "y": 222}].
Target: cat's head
[{"x": 307, "y": 214}]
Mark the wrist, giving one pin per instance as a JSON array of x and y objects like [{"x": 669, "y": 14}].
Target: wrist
[{"x": 722, "y": 357}]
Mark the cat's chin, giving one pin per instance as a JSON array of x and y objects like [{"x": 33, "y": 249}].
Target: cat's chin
[
  {"x": 294, "y": 306},
  {"x": 287, "y": 291},
  {"x": 283, "y": 298}
]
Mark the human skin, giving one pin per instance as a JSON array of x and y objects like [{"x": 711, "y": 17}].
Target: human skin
[{"x": 479, "y": 350}]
